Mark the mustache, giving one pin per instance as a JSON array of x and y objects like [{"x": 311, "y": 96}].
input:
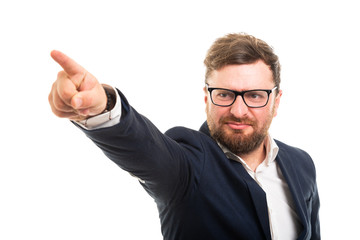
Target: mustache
[{"x": 237, "y": 120}]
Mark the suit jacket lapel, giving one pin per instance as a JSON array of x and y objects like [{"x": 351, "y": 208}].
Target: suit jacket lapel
[
  {"x": 259, "y": 199},
  {"x": 292, "y": 180}
]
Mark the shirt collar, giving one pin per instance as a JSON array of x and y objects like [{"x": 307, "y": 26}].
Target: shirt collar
[{"x": 271, "y": 147}]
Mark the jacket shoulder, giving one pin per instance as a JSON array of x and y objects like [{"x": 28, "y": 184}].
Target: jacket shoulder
[
  {"x": 299, "y": 158},
  {"x": 188, "y": 136}
]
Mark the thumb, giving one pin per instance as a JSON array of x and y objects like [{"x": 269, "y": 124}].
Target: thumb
[
  {"x": 89, "y": 102},
  {"x": 77, "y": 101}
]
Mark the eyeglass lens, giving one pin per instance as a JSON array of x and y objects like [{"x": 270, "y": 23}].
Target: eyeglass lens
[{"x": 252, "y": 98}]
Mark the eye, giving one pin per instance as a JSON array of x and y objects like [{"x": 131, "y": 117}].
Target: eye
[
  {"x": 255, "y": 96},
  {"x": 223, "y": 94}
]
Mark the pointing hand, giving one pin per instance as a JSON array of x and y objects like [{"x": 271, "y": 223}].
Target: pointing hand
[{"x": 76, "y": 94}]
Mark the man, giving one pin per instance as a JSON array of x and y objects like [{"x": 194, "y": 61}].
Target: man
[{"x": 231, "y": 179}]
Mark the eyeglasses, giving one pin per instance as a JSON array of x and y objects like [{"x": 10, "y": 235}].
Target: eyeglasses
[{"x": 256, "y": 98}]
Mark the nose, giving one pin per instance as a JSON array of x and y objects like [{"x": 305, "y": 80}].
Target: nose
[{"x": 239, "y": 108}]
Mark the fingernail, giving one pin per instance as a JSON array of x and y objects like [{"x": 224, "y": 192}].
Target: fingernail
[{"x": 78, "y": 102}]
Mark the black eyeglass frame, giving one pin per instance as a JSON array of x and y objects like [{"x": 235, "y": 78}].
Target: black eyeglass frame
[{"x": 237, "y": 93}]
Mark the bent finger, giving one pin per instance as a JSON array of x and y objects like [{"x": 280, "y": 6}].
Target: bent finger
[
  {"x": 59, "y": 104},
  {"x": 65, "y": 88}
]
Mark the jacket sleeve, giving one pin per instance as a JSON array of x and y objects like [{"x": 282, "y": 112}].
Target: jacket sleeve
[
  {"x": 164, "y": 165},
  {"x": 314, "y": 204},
  {"x": 315, "y": 222}
]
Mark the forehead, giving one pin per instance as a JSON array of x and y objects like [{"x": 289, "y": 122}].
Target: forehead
[{"x": 243, "y": 77}]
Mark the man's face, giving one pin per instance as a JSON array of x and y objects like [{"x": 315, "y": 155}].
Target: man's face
[{"x": 239, "y": 128}]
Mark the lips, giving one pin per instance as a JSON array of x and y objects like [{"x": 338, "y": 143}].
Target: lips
[{"x": 237, "y": 125}]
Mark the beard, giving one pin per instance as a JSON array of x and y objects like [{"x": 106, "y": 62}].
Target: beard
[{"x": 237, "y": 141}]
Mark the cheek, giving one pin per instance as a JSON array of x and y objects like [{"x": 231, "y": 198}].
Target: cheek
[
  {"x": 214, "y": 112},
  {"x": 262, "y": 116}
]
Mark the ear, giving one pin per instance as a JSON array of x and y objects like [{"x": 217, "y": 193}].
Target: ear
[
  {"x": 277, "y": 102},
  {"x": 206, "y": 95}
]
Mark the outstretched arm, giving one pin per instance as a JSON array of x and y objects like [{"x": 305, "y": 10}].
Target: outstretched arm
[{"x": 133, "y": 143}]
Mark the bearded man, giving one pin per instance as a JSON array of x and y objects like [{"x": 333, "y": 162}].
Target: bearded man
[{"x": 230, "y": 179}]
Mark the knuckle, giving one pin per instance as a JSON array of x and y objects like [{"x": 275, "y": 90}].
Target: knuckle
[
  {"x": 50, "y": 98},
  {"x": 62, "y": 114},
  {"x": 51, "y": 94},
  {"x": 66, "y": 93},
  {"x": 56, "y": 112},
  {"x": 60, "y": 105},
  {"x": 61, "y": 74}
]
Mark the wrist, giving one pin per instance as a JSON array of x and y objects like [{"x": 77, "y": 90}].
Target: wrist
[
  {"x": 110, "y": 98},
  {"x": 107, "y": 118}
]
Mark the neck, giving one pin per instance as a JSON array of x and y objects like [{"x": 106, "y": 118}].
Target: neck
[{"x": 255, "y": 158}]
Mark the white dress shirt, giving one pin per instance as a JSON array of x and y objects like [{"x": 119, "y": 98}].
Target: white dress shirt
[{"x": 284, "y": 222}]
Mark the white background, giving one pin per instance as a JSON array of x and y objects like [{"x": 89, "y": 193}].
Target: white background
[{"x": 55, "y": 184}]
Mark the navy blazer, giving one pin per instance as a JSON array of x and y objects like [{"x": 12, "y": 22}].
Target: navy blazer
[{"x": 199, "y": 192}]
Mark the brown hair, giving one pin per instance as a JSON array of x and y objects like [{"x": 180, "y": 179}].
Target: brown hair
[{"x": 241, "y": 48}]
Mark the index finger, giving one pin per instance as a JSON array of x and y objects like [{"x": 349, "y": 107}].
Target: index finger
[{"x": 71, "y": 67}]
